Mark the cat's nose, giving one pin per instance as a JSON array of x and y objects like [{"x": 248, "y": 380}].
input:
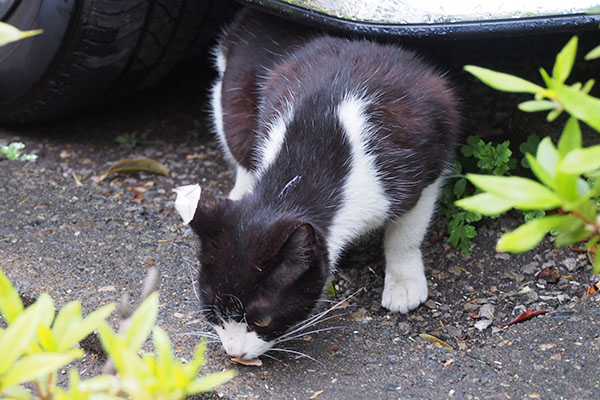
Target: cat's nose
[{"x": 238, "y": 355}]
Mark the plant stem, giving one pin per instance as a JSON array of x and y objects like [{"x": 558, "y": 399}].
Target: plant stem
[{"x": 587, "y": 220}]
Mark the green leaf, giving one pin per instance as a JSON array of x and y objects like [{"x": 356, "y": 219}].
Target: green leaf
[
  {"x": 552, "y": 115},
  {"x": 32, "y": 366},
  {"x": 164, "y": 352},
  {"x": 537, "y": 105},
  {"x": 502, "y": 81},
  {"x": 209, "y": 382},
  {"x": 16, "y": 393},
  {"x": 459, "y": 187},
  {"x": 108, "y": 339},
  {"x": 592, "y": 242},
  {"x": 11, "y": 305},
  {"x": 533, "y": 214},
  {"x": 21, "y": 333},
  {"x": 565, "y": 60},
  {"x": 83, "y": 328},
  {"x": 596, "y": 266},
  {"x": 523, "y": 193},
  {"x": 587, "y": 88},
  {"x": 529, "y": 146},
  {"x": 132, "y": 366},
  {"x": 107, "y": 384},
  {"x": 485, "y": 203},
  {"x": 45, "y": 338},
  {"x": 191, "y": 369},
  {"x": 68, "y": 316},
  {"x": 570, "y": 139},
  {"x": 529, "y": 235},
  {"x": 472, "y": 217},
  {"x": 580, "y": 105},
  {"x": 142, "y": 321},
  {"x": 593, "y": 54},
  {"x": 566, "y": 187},
  {"x": 547, "y": 155},
  {"x": 571, "y": 236},
  {"x": 540, "y": 172},
  {"x": 581, "y": 161},
  {"x": 9, "y": 33}
]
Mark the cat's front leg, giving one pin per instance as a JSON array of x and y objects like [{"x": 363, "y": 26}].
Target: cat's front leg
[
  {"x": 405, "y": 286},
  {"x": 244, "y": 180}
]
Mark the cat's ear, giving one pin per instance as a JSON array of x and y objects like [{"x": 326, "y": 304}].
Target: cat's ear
[
  {"x": 209, "y": 215},
  {"x": 302, "y": 253}
]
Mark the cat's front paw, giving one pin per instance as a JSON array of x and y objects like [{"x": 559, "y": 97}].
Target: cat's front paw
[{"x": 403, "y": 295}]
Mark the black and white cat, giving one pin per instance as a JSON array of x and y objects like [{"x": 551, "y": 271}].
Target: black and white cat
[{"x": 332, "y": 138}]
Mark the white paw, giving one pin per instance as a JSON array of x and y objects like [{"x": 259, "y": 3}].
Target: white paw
[{"x": 403, "y": 295}]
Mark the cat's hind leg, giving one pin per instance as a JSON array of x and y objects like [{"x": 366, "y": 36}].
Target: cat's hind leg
[{"x": 405, "y": 286}]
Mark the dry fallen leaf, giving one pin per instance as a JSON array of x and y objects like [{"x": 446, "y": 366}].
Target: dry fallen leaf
[
  {"x": 549, "y": 275},
  {"x": 315, "y": 395},
  {"x": 255, "y": 362},
  {"x": 592, "y": 289},
  {"x": 435, "y": 340},
  {"x": 527, "y": 315},
  {"x": 133, "y": 165}
]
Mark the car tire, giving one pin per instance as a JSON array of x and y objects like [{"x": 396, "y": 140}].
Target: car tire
[{"x": 94, "y": 50}]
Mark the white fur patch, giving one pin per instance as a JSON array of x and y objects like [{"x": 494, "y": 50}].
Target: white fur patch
[
  {"x": 269, "y": 149},
  {"x": 239, "y": 342},
  {"x": 405, "y": 285},
  {"x": 220, "y": 60},
  {"x": 217, "y": 118},
  {"x": 244, "y": 180},
  {"x": 364, "y": 205}
]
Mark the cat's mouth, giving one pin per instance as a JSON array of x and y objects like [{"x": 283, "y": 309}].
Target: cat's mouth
[{"x": 241, "y": 343}]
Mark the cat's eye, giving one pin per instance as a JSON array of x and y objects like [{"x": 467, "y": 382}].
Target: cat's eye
[{"x": 263, "y": 323}]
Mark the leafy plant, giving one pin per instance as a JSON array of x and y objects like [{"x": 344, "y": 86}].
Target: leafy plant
[
  {"x": 36, "y": 344},
  {"x": 12, "y": 151},
  {"x": 495, "y": 159},
  {"x": 562, "y": 191},
  {"x": 477, "y": 155},
  {"x": 529, "y": 146},
  {"x": 129, "y": 140}
]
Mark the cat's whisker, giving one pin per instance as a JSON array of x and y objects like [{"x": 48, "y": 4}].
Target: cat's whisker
[
  {"x": 300, "y": 332},
  {"x": 201, "y": 334},
  {"x": 271, "y": 357},
  {"x": 300, "y": 354},
  {"x": 193, "y": 282},
  {"x": 300, "y": 335},
  {"x": 319, "y": 317}
]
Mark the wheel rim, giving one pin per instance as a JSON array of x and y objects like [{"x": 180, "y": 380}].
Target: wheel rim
[{"x": 7, "y": 7}]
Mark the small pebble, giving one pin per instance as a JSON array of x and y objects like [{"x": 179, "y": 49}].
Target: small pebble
[{"x": 530, "y": 268}]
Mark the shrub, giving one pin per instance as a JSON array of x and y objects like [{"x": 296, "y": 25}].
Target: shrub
[
  {"x": 36, "y": 344},
  {"x": 568, "y": 186}
]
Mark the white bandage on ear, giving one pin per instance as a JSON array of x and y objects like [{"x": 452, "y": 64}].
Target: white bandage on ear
[{"x": 187, "y": 201}]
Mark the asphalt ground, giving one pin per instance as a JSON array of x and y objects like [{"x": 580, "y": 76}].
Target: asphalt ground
[{"x": 63, "y": 233}]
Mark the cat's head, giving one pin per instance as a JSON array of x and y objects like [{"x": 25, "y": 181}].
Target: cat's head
[{"x": 261, "y": 273}]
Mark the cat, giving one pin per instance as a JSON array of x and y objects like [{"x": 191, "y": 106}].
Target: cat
[{"x": 331, "y": 138}]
